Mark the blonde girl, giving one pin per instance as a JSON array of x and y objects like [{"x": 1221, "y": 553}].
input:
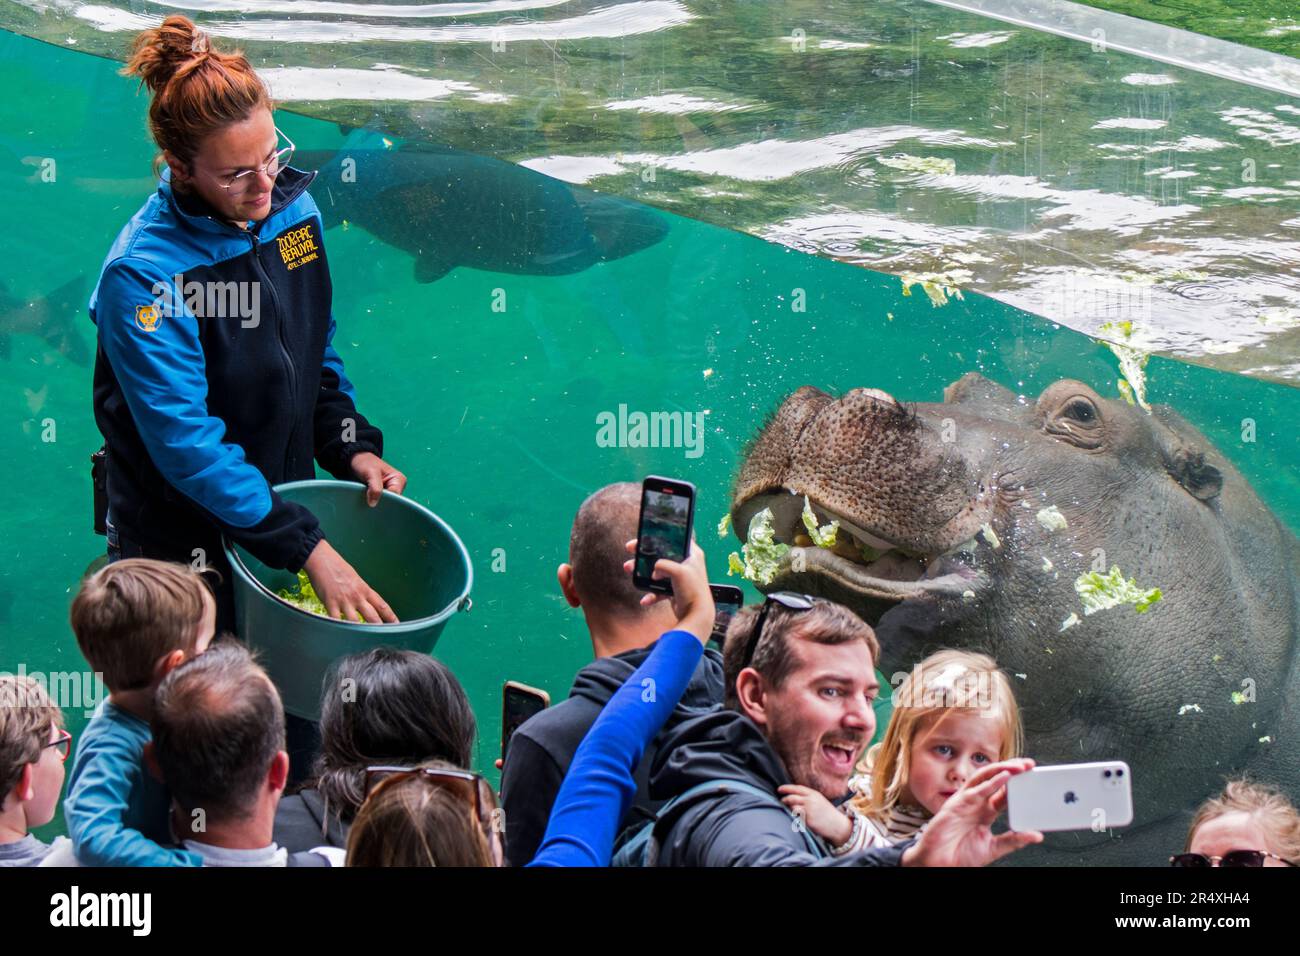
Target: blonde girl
[{"x": 954, "y": 714}]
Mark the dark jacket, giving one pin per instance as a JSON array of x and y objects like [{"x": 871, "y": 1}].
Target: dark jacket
[
  {"x": 735, "y": 828},
  {"x": 216, "y": 376},
  {"x": 301, "y": 823},
  {"x": 542, "y": 748}
]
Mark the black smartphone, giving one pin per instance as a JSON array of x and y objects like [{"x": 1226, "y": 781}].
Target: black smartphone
[
  {"x": 664, "y": 530},
  {"x": 727, "y": 600},
  {"x": 518, "y": 703}
]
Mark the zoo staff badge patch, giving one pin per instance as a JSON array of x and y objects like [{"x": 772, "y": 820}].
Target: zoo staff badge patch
[
  {"x": 298, "y": 247},
  {"x": 146, "y": 318}
]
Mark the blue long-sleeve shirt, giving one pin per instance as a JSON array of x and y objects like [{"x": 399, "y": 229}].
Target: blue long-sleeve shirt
[
  {"x": 600, "y": 785},
  {"x": 112, "y": 799}
]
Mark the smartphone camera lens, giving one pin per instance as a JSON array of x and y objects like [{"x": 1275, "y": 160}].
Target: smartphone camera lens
[
  {"x": 1106, "y": 774},
  {"x": 1119, "y": 773}
]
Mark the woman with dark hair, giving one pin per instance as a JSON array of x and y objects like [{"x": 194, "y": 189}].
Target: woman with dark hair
[
  {"x": 384, "y": 706},
  {"x": 434, "y": 815}
]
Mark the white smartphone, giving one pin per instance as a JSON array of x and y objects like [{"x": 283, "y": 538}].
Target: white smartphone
[{"x": 1077, "y": 796}]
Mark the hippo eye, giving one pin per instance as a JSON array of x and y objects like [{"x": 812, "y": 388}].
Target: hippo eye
[
  {"x": 1081, "y": 410},
  {"x": 1073, "y": 417}
]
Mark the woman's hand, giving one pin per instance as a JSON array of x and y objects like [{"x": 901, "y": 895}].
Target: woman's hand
[
  {"x": 691, "y": 597},
  {"x": 377, "y": 475},
  {"x": 820, "y": 815},
  {"x": 341, "y": 589}
]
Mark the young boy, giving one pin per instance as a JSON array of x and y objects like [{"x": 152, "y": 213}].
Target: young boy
[
  {"x": 136, "y": 621},
  {"x": 33, "y": 746}
]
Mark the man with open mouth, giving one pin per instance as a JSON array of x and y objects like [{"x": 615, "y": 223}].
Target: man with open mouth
[{"x": 800, "y": 681}]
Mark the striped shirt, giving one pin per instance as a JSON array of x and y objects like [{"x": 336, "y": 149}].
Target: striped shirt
[{"x": 902, "y": 823}]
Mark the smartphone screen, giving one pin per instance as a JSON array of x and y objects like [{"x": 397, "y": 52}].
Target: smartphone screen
[
  {"x": 664, "y": 531},
  {"x": 518, "y": 703},
  {"x": 727, "y": 600}
]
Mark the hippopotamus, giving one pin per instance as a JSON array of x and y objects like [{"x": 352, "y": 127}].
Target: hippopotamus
[
  {"x": 946, "y": 496},
  {"x": 450, "y": 208}
]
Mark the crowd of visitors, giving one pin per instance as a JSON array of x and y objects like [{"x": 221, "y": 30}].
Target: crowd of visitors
[{"x": 757, "y": 756}]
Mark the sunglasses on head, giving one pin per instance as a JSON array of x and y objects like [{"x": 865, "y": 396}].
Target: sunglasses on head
[
  {"x": 465, "y": 784},
  {"x": 1232, "y": 858},
  {"x": 790, "y": 600}
]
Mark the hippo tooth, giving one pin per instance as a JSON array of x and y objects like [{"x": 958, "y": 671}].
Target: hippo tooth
[
  {"x": 968, "y": 546},
  {"x": 864, "y": 537}
]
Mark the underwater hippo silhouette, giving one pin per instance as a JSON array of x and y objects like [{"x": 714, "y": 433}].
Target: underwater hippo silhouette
[
  {"x": 51, "y": 318},
  {"x": 450, "y": 208},
  {"x": 1204, "y": 684}
]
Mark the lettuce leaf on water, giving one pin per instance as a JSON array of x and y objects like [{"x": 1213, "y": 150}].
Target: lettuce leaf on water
[
  {"x": 938, "y": 286},
  {"x": 303, "y": 596},
  {"x": 930, "y": 165},
  {"x": 1101, "y": 591},
  {"x": 762, "y": 552},
  {"x": 823, "y": 537},
  {"x": 1132, "y": 362}
]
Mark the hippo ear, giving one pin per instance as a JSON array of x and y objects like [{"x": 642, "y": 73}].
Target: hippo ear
[{"x": 1201, "y": 479}]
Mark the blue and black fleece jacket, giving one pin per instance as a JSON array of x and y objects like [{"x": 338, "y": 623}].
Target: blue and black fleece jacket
[{"x": 216, "y": 376}]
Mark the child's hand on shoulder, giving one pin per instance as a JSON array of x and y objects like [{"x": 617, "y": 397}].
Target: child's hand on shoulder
[{"x": 821, "y": 816}]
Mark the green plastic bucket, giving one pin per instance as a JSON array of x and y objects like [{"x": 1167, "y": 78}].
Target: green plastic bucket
[{"x": 400, "y": 548}]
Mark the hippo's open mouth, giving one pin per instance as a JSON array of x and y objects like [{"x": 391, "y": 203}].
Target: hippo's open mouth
[{"x": 879, "y": 572}]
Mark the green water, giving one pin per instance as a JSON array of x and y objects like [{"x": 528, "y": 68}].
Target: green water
[
  {"x": 493, "y": 414},
  {"x": 777, "y": 118}
]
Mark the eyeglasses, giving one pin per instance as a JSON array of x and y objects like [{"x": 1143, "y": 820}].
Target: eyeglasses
[
  {"x": 1231, "y": 858},
  {"x": 787, "y": 599},
  {"x": 241, "y": 182},
  {"x": 64, "y": 743},
  {"x": 466, "y": 785}
]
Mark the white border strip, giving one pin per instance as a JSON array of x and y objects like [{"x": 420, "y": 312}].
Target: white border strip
[
  {"x": 1153, "y": 41},
  {"x": 362, "y": 10}
]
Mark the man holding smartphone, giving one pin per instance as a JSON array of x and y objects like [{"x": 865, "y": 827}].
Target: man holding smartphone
[
  {"x": 622, "y": 632},
  {"x": 800, "y": 686}
]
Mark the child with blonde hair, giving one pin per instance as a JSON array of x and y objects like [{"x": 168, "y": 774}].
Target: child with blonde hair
[
  {"x": 953, "y": 715},
  {"x": 136, "y": 621}
]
